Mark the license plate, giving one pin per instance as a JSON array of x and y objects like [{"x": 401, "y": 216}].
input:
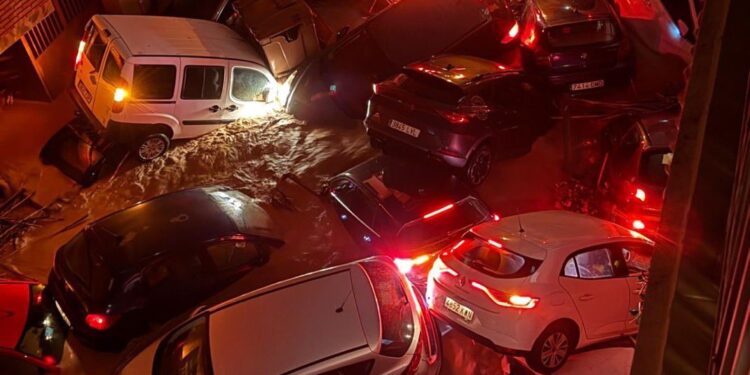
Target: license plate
[
  {"x": 84, "y": 91},
  {"x": 587, "y": 85},
  {"x": 60, "y": 310},
  {"x": 406, "y": 129},
  {"x": 459, "y": 309}
]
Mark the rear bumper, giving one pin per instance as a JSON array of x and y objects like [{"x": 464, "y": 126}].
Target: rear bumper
[
  {"x": 84, "y": 110},
  {"x": 614, "y": 75}
]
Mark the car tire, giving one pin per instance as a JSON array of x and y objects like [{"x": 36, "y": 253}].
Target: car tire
[
  {"x": 552, "y": 348},
  {"x": 152, "y": 146},
  {"x": 479, "y": 165}
]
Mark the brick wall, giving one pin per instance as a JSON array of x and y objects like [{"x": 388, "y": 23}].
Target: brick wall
[{"x": 19, "y": 16}]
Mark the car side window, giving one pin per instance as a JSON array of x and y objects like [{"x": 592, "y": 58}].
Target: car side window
[
  {"x": 637, "y": 256},
  {"x": 250, "y": 85},
  {"x": 112, "y": 68},
  {"x": 595, "y": 264},
  {"x": 570, "y": 269},
  {"x": 359, "y": 368},
  {"x": 230, "y": 254},
  {"x": 203, "y": 82},
  {"x": 154, "y": 81}
]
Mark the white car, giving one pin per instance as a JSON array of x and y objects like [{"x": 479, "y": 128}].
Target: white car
[
  {"x": 541, "y": 284},
  {"x": 358, "y": 318},
  {"x": 148, "y": 79}
]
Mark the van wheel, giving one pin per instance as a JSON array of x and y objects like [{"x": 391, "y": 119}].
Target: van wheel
[
  {"x": 551, "y": 349},
  {"x": 152, "y": 146},
  {"x": 478, "y": 167}
]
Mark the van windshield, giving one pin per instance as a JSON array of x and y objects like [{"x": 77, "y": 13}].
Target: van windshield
[{"x": 582, "y": 33}]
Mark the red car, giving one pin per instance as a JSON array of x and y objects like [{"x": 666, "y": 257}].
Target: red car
[{"x": 32, "y": 335}]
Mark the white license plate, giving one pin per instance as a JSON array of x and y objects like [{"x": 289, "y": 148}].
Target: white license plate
[
  {"x": 84, "y": 91},
  {"x": 459, "y": 309},
  {"x": 587, "y": 85},
  {"x": 406, "y": 129},
  {"x": 65, "y": 317}
]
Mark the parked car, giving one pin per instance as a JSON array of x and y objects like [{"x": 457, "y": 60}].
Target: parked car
[
  {"x": 411, "y": 31},
  {"x": 148, "y": 262},
  {"x": 148, "y": 80},
  {"x": 357, "y": 318},
  {"x": 32, "y": 336},
  {"x": 464, "y": 111},
  {"x": 578, "y": 44},
  {"x": 404, "y": 210},
  {"x": 638, "y": 154},
  {"x": 541, "y": 284}
]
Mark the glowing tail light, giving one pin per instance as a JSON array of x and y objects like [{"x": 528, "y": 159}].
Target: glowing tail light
[
  {"x": 495, "y": 217},
  {"x": 438, "y": 211},
  {"x": 99, "y": 322},
  {"x": 640, "y": 195},
  {"x": 79, "y": 54},
  {"x": 638, "y": 225},
  {"x": 405, "y": 265},
  {"x": 530, "y": 39},
  {"x": 511, "y": 35},
  {"x": 495, "y": 244},
  {"x": 454, "y": 117},
  {"x": 506, "y": 300},
  {"x": 375, "y": 88}
]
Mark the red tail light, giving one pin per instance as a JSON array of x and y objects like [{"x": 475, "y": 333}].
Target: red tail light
[
  {"x": 529, "y": 37},
  {"x": 495, "y": 244},
  {"x": 100, "y": 322},
  {"x": 511, "y": 35},
  {"x": 638, "y": 225},
  {"x": 79, "y": 55},
  {"x": 506, "y": 300},
  {"x": 640, "y": 195},
  {"x": 375, "y": 88},
  {"x": 495, "y": 217},
  {"x": 455, "y": 118},
  {"x": 438, "y": 211},
  {"x": 439, "y": 268},
  {"x": 405, "y": 265},
  {"x": 49, "y": 360}
]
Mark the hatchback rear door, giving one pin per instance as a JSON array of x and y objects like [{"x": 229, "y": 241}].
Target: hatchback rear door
[
  {"x": 109, "y": 80},
  {"x": 94, "y": 46}
]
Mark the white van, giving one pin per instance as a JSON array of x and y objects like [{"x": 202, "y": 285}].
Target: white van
[
  {"x": 147, "y": 80},
  {"x": 357, "y": 318}
]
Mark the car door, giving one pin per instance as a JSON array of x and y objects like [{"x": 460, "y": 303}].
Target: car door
[
  {"x": 637, "y": 257},
  {"x": 109, "y": 80},
  {"x": 92, "y": 58},
  {"x": 251, "y": 90},
  {"x": 599, "y": 291},
  {"x": 203, "y": 96},
  {"x": 355, "y": 210}
]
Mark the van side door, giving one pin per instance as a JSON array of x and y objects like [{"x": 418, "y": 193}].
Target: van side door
[
  {"x": 202, "y": 96},
  {"x": 109, "y": 80},
  {"x": 250, "y": 92}
]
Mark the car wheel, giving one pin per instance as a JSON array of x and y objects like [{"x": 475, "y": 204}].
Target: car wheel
[
  {"x": 152, "y": 146},
  {"x": 551, "y": 349},
  {"x": 478, "y": 167}
]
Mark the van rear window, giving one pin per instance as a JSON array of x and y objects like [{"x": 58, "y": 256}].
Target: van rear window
[
  {"x": 395, "y": 311},
  {"x": 154, "y": 81}
]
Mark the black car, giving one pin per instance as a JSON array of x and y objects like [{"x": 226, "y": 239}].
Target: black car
[
  {"x": 462, "y": 110},
  {"x": 635, "y": 171},
  {"x": 404, "y": 210},
  {"x": 578, "y": 44},
  {"x": 151, "y": 261},
  {"x": 410, "y": 31}
]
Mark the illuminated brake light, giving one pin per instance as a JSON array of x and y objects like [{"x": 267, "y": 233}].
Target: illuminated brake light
[
  {"x": 454, "y": 117},
  {"x": 456, "y": 246},
  {"x": 638, "y": 225},
  {"x": 405, "y": 265},
  {"x": 99, "y": 322},
  {"x": 504, "y": 300},
  {"x": 495, "y": 217},
  {"x": 49, "y": 360},
  {"x": 640, "y": 195},
  {"x": 511, "y": 35},
  {"x": 495, "y": 244},
  {"x": 438, "y": 211},
  {"x": 79, "y": 55}
]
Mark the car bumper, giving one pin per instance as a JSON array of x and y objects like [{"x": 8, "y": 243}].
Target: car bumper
[
  {"x": 84, "y": 110},
  {"x": 511, "y": 331},
  {"x": 617, "y": 74}
]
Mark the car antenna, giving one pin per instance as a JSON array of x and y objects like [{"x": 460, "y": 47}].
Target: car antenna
[
  {"x": 341, "y": 308},
  {"x": 520, "y": 225}
]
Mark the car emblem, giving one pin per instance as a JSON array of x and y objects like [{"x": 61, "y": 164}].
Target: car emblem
[
  {"x": 584, "y": 56},
  {"x": 461, "y": 281}
]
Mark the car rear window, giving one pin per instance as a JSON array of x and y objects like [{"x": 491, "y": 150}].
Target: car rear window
[
  {"x": 397, "y": 321},
  {"x": 429, "y": 87},
  {"x": 494, "y": 260},
  {"x": 154, "y": 81},
  {"x": 458, "y": 217},
  {"x": 185, "y": 351},
  {"x": 583, "y": 33},
  {"x": 88, "y": 269},
  {"x": 653, "y": 168}
]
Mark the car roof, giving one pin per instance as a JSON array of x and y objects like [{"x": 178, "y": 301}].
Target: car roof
[
  {"x": 661, "y": 131},
  {"x": 16, "y": 297},
  {"x": 175, "y": 36},
  {"x": 179, "y": 221},
  {"x": 313, "y": 317},
  {"x": 407, "y": 190},
  {"x": 560, "y": 12},
  {"x": 552, "y": 231},
  {"x": 460, "y": 70}
]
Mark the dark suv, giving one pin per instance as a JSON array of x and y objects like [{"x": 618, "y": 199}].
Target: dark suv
[
  {"x": 578, "y": 44},
  {"x": 151, "y": 261},
  {"x": 461, "y": 110}
]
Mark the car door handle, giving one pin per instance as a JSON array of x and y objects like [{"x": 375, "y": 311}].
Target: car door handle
[
  {"x": 586, "y": 297},
  {"x": 231, "y": 108},
  {"x": 214, "y": 108}
]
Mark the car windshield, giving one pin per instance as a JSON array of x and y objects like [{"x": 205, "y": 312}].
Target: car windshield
[
  {"x": 494, "y": 260},
  {"x": 43, "y": 335},
  {"x": 582, "y": 33},
  {"x": 441, "y": 223},
  {"x": 88, "y": 268},
  {"x": 653, "y": 168},
  {"x": 185, "y": 351}
]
